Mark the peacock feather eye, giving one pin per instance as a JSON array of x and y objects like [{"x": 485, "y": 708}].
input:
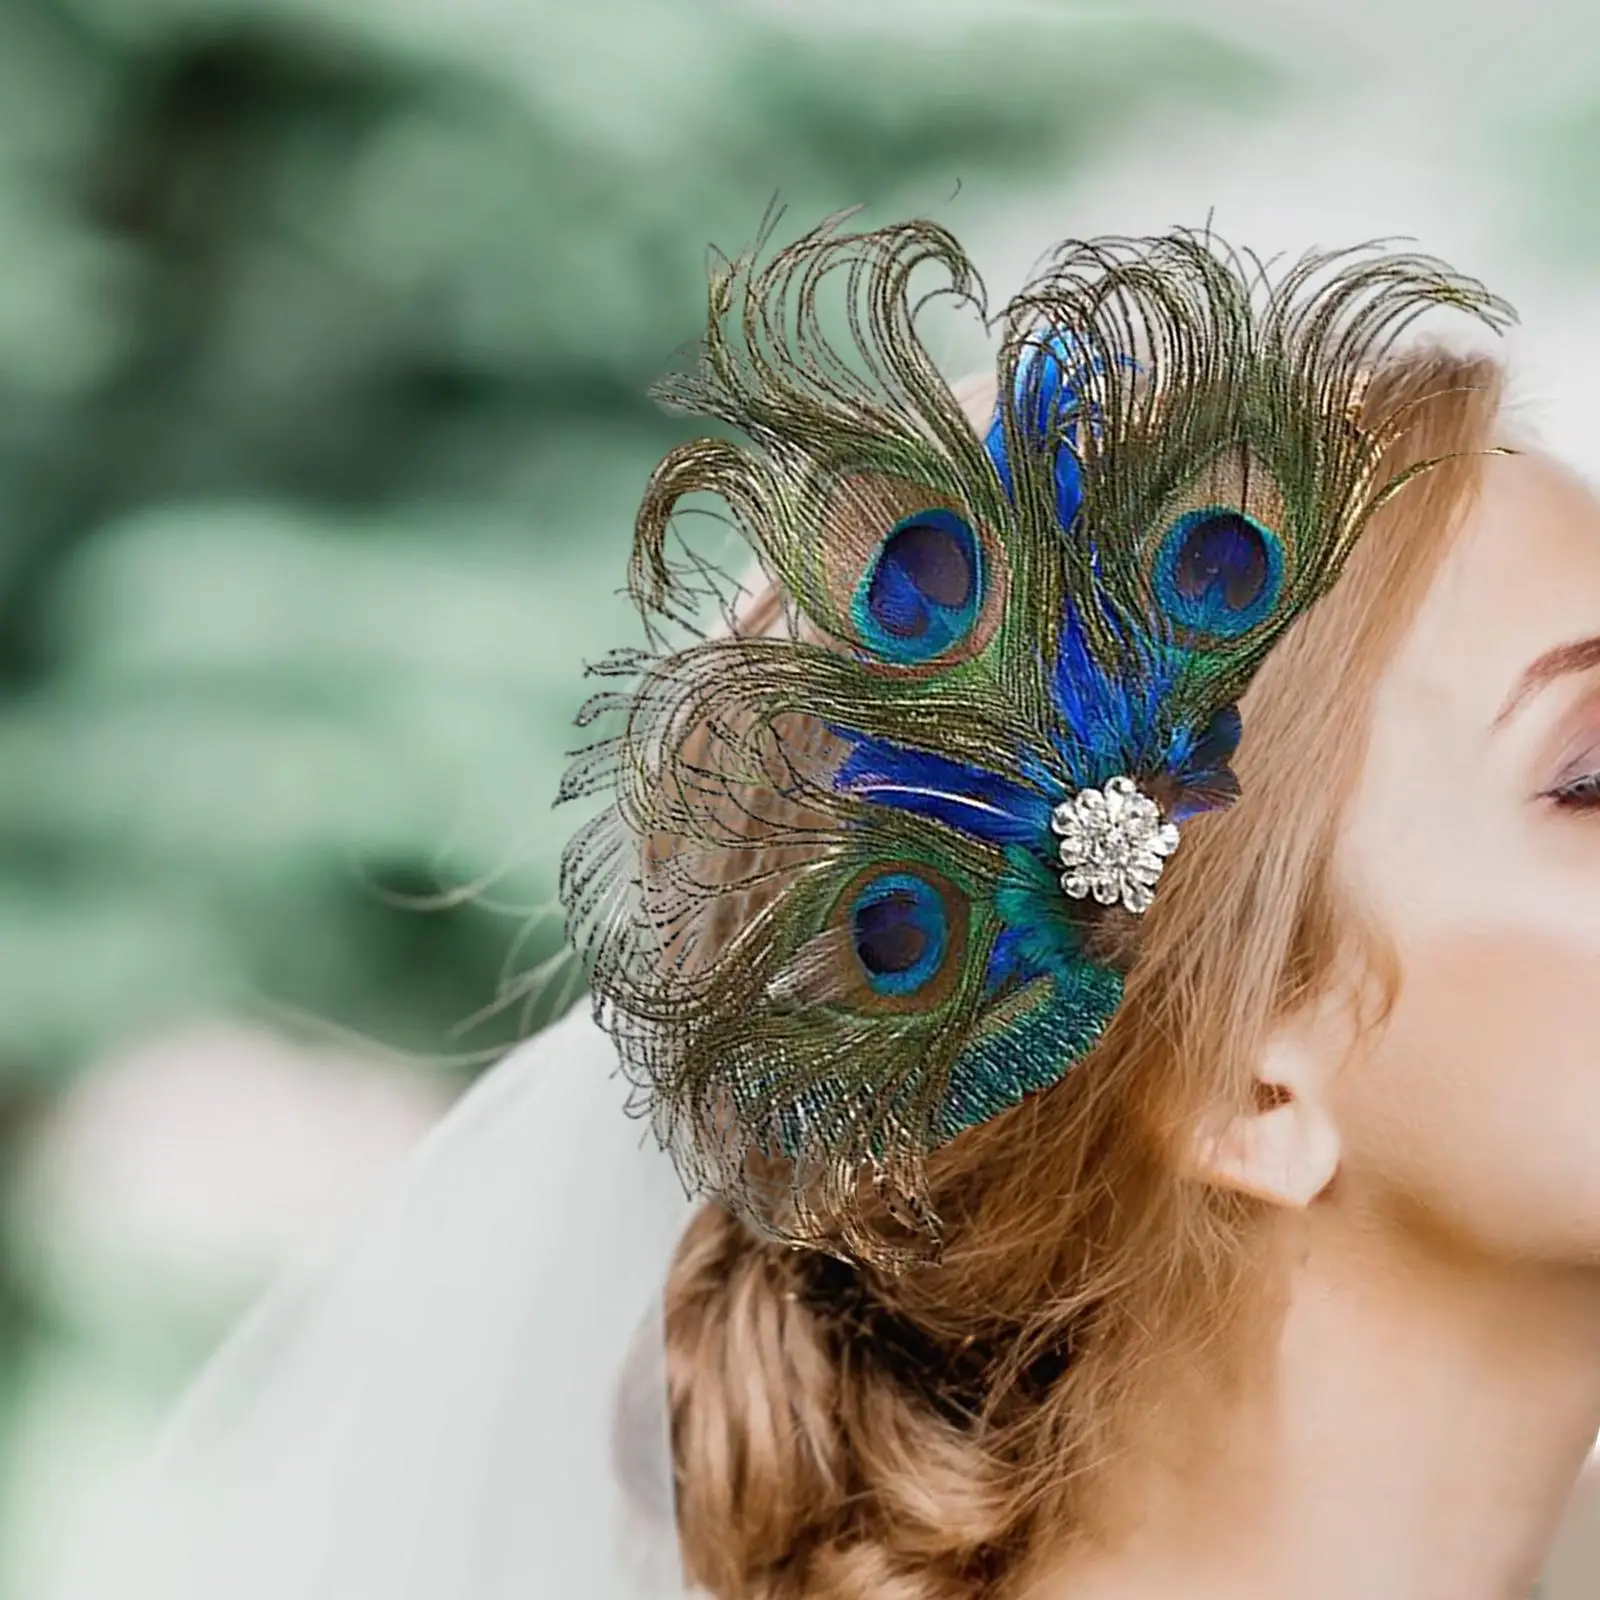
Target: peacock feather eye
[
  {"x": 1219, "y": 572},
  {"x": 873, "y": 874},
  {"x": 900, "y": 931},
  {"x": 923, "y": 589}
]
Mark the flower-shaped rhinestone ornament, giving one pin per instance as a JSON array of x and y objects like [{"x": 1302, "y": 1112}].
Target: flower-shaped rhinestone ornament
[{"x": 1113, "y": 844}]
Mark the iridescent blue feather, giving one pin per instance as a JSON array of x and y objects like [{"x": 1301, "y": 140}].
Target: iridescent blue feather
[{"x": 840, "y": 906}]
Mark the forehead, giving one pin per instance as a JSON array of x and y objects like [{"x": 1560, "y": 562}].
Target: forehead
[{"x": 1522, "y": 575}]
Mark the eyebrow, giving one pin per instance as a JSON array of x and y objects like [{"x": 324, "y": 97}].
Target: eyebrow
[{"x": 1561, "y": 662}]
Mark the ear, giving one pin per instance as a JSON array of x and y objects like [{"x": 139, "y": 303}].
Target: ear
[{"x": 1285, "y": 1147}]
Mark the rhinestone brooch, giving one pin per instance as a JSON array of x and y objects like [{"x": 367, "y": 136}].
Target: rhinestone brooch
[{"x": 1113, "y": 844}]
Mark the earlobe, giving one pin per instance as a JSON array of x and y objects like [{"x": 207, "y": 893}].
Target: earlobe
[{"x": 1285, "y": 1148}]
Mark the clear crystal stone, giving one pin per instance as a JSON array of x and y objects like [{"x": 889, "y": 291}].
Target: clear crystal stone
[
  {"x": 1137, "y": 897},
  {"x": 1113, "y": 844}
]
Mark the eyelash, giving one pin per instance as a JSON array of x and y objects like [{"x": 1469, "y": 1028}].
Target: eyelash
[{"x": 1581, "y": 794}]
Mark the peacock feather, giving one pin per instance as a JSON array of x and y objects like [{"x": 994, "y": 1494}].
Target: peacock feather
[{"x": 867, "y": 879}]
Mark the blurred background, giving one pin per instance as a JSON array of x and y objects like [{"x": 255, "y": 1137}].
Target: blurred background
[{"x": 325, "y": 329}]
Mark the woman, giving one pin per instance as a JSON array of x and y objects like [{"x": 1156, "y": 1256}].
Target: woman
[{"x": 1112, "y": 927}]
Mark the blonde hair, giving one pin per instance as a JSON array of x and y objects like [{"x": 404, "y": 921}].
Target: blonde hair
[{"x": 841, "y": 1435}]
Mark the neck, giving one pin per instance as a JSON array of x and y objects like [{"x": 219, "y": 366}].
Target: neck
[{"x": 1414, "y": 1437}]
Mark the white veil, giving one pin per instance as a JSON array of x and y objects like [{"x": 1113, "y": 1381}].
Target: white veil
[
  {"x": 431, "y": 1411},
  {"x": 467, "y": 1401}
]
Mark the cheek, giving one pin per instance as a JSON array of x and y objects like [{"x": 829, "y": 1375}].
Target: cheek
[{"x": 1477, "y": 1108}]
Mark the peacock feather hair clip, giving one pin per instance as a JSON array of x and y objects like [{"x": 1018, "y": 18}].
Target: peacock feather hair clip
[{"x": 869, "y": 877}]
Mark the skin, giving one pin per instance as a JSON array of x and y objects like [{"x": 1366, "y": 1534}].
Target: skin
[{"x": 1416, "y": 1429}]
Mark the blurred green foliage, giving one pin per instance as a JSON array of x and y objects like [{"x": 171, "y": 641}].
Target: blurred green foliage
[
  {"x": 1553, "y": 158},
  {"x": 324, "y": 336},
  {"x": 325, "y": 330}
]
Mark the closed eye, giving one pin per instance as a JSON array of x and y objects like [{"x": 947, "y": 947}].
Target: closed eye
[{"x": 1581, "y": 793}]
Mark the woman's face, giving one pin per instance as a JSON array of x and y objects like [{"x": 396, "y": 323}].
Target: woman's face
[{"x": 1474, "y": 836}]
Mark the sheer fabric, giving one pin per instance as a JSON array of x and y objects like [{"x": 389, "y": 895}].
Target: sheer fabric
[{"x": 432, "y": 1411}]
